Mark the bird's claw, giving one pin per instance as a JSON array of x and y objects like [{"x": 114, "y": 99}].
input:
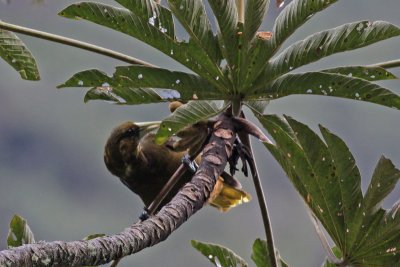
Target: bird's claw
[
  {"x": 190, "y": 165},
  {"x": 145, "y": 214}
]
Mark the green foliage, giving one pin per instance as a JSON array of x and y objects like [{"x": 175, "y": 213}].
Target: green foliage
[
  {"x": 190, "y": 113},
  {"x": 15, "y": 53},
  {"x": 222, "y": 256},
  {"x": 249, "y": 73},
  {"x": 19, "y": 233},
  {"x": 219, "y": 255},
  {"x": 326, "y": 176},
  {"x": 260, "y": 255}
]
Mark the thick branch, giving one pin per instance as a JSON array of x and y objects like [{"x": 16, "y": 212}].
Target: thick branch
[{"x": 141, "y": 235}]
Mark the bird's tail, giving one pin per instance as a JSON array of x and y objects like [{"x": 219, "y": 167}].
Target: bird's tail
[{"x": 225, "y": 196}]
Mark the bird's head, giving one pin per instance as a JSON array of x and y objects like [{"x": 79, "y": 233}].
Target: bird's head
[{"x": 121, "y": 146}]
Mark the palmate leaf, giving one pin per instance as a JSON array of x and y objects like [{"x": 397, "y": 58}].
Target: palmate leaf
[
  {"x": 368, "y": 73},
  {"x": 365, "y": 234},
  {"x": 288, "y": 21},
  {"x": 125, "y": 21},
  {"x": 319, "y": 45},
  {"x": 328, "y": 84},
  {"x": 190, "y": 113},
  {"x": 133, "y": 84},
  {"x": 226, "y": 14},
  {"x": 156, "y": 15},
  {"x": 19, "y": 233},
  {"x": 18, "y": 56},
  {"x": 220, "y": 256}
]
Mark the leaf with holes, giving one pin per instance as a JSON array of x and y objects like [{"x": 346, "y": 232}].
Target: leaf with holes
[
  {"x": 152, "y": 12},
  {"x": 327, "y": 178},
  {"x": 190, "y": 113},
  {"x": 20, "y": 233},
  {"x": 15, "y": 53},
  {"x": 319, "y": 45},
  {"x": 137, "y": 79},
  {"x": 368, "y": 73},
  {"x": 125, "y": 21},
  {"x": 218, "y": 255},
  {"x": 328, "y": 84}
]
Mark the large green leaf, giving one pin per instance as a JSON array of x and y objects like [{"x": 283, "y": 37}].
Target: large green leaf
[
  {"x": 131, "y": 81},
  {"x": 185, "y": 115},
  {"x": 366, "y": 234},
  {"x": 123, "y": 20},
  {"x": 20, "y": 233},
  {"x": 220, "y": 256},
  {"x": 368, "y": 73},
  {"x": 328, "y": 84},
  {"x": 226, "y": 14},
  {"x": 156, "y": 15},
  {"x": 15, "y": 53},
  {"x": 343, "y": 38}
]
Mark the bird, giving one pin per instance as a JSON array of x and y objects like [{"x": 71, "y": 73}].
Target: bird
[{"x": 145, "y": 167}]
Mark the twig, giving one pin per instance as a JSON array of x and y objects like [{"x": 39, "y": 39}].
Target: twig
[
  {"x": 387, "y": 64},
  {"x": 75, "y": 43}
]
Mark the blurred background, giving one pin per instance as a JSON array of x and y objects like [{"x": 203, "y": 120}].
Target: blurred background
[{"x": 51, "y": 143}]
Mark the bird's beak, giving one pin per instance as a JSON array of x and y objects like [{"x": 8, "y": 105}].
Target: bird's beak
[{"x": 147, "y": 127}]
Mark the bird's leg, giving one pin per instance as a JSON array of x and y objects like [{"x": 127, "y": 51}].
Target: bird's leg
[
  {"x": 189, "y": 164},
  {"x": 243, "y": 153},
  {"x": 151, "y": 209}
]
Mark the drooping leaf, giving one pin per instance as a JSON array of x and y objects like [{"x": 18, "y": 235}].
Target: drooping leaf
[
  {"x": 218, "y": 255},
  {"x": 156, "y": 15},
  {"x": 328, "y": 84},
  {"x": 190, "y": 113},
  {"x": 226, "y": 14},
  {"x": 366, "y": 234},
  {"x": 19, "y": 233},
  {"x": 260, "y": 255},
  {"x": 363, "y": 72},
  {"x": 254, "y": 15},
  {"x": 123, "y": 20},
  {"x": 319, "y": 45},
  {"x": 130, "y": 96},
  {"x": 15, "y": 53},
  {"x": 132, "y": 83}
]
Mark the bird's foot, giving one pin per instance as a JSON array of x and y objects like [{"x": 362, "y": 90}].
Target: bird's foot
[
  {"x": 145, "y": 214},
  {"x": 190, "y": 165},
  {"x": 243, "y": 153}
]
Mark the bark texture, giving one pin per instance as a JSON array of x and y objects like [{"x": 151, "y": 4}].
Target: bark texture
[{"x": 140, "y": 235}]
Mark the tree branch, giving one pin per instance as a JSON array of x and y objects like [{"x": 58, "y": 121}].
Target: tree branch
[
  {"x": 140, "y": 235},
  {"x": 75, "y": 43}
]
